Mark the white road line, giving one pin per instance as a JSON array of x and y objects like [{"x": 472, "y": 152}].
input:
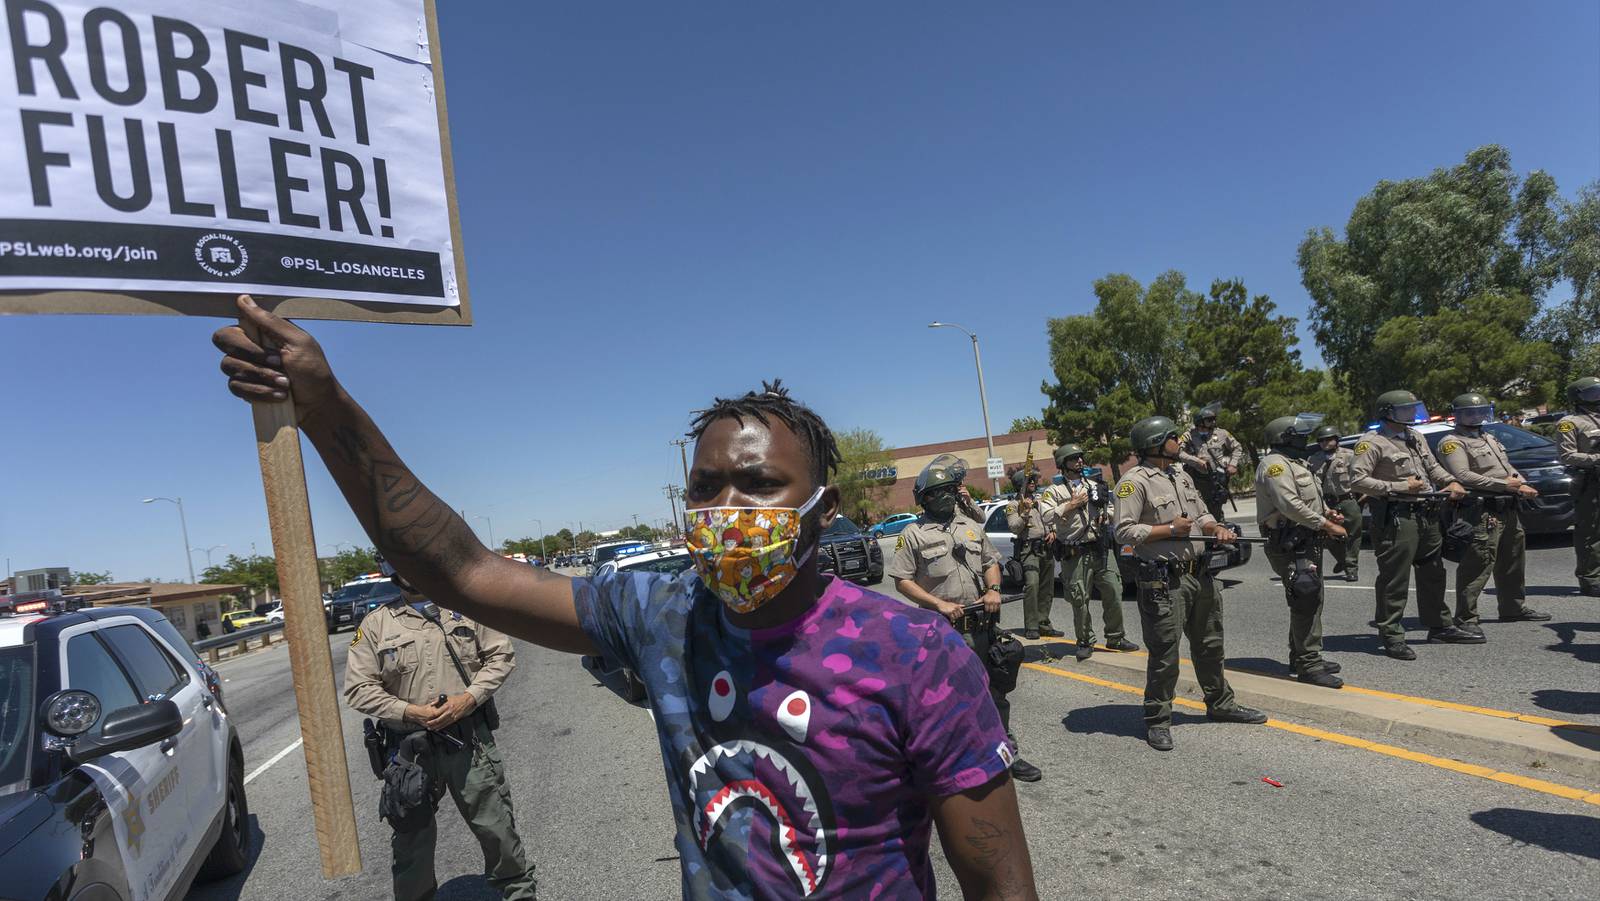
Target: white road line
[{"x": 275, "y": 758}]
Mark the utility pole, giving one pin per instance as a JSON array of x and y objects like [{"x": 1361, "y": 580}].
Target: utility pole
[
  {"x": 983, "y": 394},
  {"x": 683, "y": 457}
]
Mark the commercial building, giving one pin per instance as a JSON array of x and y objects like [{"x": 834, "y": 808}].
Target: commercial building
[{"x": 1011, "y": 448}]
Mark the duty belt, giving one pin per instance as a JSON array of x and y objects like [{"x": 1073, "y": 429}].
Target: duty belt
[
  {"x": 1033, "y": 545},
  {"x": 1193, "y": 567},
  {"x": 1347, "y": 496},
  {"x": 1076, "y": 548}
]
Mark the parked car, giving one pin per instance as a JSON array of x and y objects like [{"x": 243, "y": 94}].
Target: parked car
[
  {"x": 102, "y": 713},
  {"x": 235, "y": 620},
  {"x": 850, "y": 553},
  {"x": 1533, "y": 455},
  {"x": 341, "y": 609},
  {"x": 999, "y": 531},
  {"x": 604, "y": 551},
  {"x": 383, "y": 592},
  {"x": 892, "y": 525},
  {"x": 275, "y": 615},
  {"x": 670, "y": 561}
]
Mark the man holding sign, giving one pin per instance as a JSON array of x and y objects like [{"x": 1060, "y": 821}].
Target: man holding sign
[{"x": 816, "y": 731}]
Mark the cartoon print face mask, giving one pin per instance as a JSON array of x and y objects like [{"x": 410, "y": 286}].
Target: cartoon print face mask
[{"x": 747, "y": 555}]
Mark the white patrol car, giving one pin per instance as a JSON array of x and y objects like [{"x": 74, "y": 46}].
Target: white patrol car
[
  {"x": 671, "y": 560},
  {"x": 121, "y": 776}
]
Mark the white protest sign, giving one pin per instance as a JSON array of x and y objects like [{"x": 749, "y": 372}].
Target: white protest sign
[
  {"x": 997, "y": 468},
  {"x": 213, "y": 146}
]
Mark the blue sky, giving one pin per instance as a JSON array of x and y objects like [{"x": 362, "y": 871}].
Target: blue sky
[{"x": 666, "y": 202}]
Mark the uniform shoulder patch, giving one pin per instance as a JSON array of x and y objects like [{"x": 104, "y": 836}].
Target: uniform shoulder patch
[
  {"x": 1363, "y": 446},
  {"x": 356, "y": 637},
  {"x": 1125, "y": 489},
  {"x": 900, "y": 541},
  {"x": 1275, "y": 470},
  {"x": 1566, "y": 425},
  {"x": 1450, "y": 447},
  {"x": 971, "y": 535}
]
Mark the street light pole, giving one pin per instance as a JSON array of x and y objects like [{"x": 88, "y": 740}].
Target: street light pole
[
  {"x": 207, "y": 551},
  {"x": 183, "y": 524},
  {"x": 983, "y": 394},
  {"x": 492, "y": 545},
  {"x": 543, "y": 550}
]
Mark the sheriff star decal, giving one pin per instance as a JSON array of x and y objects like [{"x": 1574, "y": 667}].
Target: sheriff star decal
[
  {"x": 1566, "y": 425},
  {"x": 1125, "y": 489},
  {"x": 1275, "y": 470},
  {"x": 134, "y": 820},
  {"x": 1449, "y": 447}
]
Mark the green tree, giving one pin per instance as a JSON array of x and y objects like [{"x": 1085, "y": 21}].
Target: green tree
[
  {"x": 1477, "y": 347},
  {"x": 566, "y": 538},
  {"x": 256, "y": 573},
  {"x": 1244, "y": 356},
  {"x": 1572, "y": 327},
  {"x": 1418, "y": 247},
  {"x": 348, "y": 565},
  {"x": 862, "y": 475},
  {"x": 1119, "y": 363},
  {"x": 91, "y": 578},
  {"x": 1026, "y": 424}
]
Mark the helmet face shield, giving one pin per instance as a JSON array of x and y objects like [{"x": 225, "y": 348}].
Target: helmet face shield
[
  {"x": 1406, "y": 414},
  {"x": 1475, "y": 415},
  {"x": 1589, "y": 395},
  {"x": 1306, "y": 423}
]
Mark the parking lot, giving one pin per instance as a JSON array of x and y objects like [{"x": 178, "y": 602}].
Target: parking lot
[{"x": 1111, "y": 817}]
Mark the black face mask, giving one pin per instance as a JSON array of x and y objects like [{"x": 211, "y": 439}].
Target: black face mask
[{"x": 940, "y": 506}]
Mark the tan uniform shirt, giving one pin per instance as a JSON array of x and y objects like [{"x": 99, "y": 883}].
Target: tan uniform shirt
[
  {"x": 1287, "y": 489},
  {"x": 1071, "y": 526},
  {"x": 1215, "y": 454},
  {"x": 1382, "y": 464},
  {"x": 1150, "y": 496},
  {"x": 945, "y": 560},
  {"x": 398, "y": 657},
  {"x": 1477, "y": 460},
  {"x": 1333, "y": 471},
  {"x": 1035, "y": 520},
  {"x": 1578, "y": 440}
]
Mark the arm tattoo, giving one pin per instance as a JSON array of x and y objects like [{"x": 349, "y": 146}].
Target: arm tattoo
[
  {"x": 403, "y": 518},
  {"x": 993, "y": 853}
]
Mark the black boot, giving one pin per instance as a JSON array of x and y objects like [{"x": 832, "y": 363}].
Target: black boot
[
  {"x": 1247, "y": 715},
  {"x": 1084, "y": 650},
  {"x": 1527, "y": 615},
  {"x": 1023, "y": 771},
  {"x": 1159, "y": 737},
  {"x": 1453, "y": 635}
]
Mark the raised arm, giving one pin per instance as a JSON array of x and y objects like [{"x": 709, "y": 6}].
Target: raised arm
[{"x": 420, "y": 534}]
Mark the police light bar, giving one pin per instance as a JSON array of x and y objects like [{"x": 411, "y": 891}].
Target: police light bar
[{"x": 31, "y": 607}]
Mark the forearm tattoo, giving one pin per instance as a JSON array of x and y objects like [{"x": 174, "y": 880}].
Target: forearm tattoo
[{"x": 403, "y": 518}]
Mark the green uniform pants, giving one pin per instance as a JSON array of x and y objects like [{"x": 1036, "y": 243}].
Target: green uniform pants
[
  {"x": 1093, "y": 569},
  {"x": 1038, "y": 587},
  {"x": 1346, "y": 552},
  {"x": 1194, "y": 608},
  {"x": 1408, "y": 540},
  {"x": 1305, "y": 623},
  {"x": 1499, "y": 546},
  {"x": 477, "y": 783},
  {"x": 1586, "y": 532},
  {"x": 978, "y": 636}
]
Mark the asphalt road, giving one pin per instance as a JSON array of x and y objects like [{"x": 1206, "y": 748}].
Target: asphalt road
[{"x": 1111, "y": 818}]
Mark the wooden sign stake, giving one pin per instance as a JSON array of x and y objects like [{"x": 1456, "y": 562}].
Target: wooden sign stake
[{"x": 283, "y": 476}]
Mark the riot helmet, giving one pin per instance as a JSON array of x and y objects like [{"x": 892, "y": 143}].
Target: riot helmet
[
  {"x": 1289, "y": 434},
  {"x": 1585, "y": 393},
  {"x": 936, "y": 486},
  {"x": 1206, "y": 419},
  {"x": 1150, "y": 433},
  {"x": 1472, "y": 410},
  {"x": 1064, "y": 455},
  {"x": 1400, "y": 407},
  {"x": 1322, "y": 434}
]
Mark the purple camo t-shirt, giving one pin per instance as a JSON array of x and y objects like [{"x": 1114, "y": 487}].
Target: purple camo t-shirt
[{"x": 801, "y": 760}]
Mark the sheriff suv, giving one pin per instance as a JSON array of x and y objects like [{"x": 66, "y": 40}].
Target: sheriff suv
[{"x": 121, "y": 775}]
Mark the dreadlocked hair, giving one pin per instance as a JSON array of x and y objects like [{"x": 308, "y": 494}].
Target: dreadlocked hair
[{"x": 773, "y": 401}]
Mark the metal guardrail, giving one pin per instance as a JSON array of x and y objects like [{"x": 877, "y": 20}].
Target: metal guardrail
[{"x": 223, "y": 641}]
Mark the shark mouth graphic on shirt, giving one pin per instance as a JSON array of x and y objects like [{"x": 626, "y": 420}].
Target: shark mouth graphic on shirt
[{"x": 777, "y": 786}]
